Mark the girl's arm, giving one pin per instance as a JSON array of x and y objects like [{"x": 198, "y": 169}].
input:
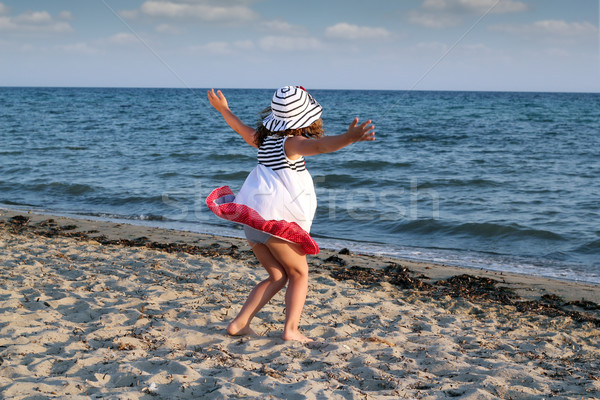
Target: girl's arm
[
  {"x": 219, "y": 102},
  {"x": 300, "y": 146}
]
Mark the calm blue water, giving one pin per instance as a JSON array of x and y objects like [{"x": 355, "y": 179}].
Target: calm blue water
[{"x": 507, "y": 181}]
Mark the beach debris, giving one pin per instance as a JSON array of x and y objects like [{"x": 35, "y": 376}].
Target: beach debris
[
  {"x": 18, "y": 223},
  {"x": 585, "y": 304},
  {"x": 557, "y": 301},
  {"x": 47, "y": 228},
  {"x": 63, "y": 256},
  {"x": 344, "y": 251},
  {"x": 375, "y": 339},
  {"x": 469, "y": 287},
  {"x": 270, "y": 372},
  {"x": 335, "y": 260},
  {"x": 552, "y": 299},
  {"x": 478, "y": 288},
  {"x": 48, "y": 222},
  {"x": 364, "y": 276},
  {"x": 400, "y": 276},
  {"x": 475, "y": 288},
  {"x": 151, "y": 389},
  {"x": 19, "y": 220},
  {"x": 394, "y": 273}
]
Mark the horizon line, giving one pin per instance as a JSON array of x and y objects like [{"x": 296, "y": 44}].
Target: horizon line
[{"x": 263, "y": 88}]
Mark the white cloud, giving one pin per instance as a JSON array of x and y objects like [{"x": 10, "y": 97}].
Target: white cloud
[
  {"x": 223, "y": 47},
  {"x": 79, "y": 48},
  {"x": 101, "y": 45},
  {"x": 550, "y": 27},
  {"x": 280, "y": 26},
  {"x": 168, "y": 28},
  {"x": 202, "y": 12},
  {"x": 473, "y": 51},
  {"x": 244, "y": 45},
  {"x": 508, "y": 7},
  {"x": 65, "y": 15},
  {"x": 33, "y": 17},
  {"x": 440, "y": 14},
  {"x": 436, "y": 21},
  {"x": 123, "y": 38},
  {"x": 475, "y": 6},
  {"x": 431, "y": 47},
  {"x": 214, "y": 47},
  {"x": 6, "y": 24},
  {"x": 129, "y": 14},
  {"x": 288, "y": 43},
  {"x": 32, "y": 22},
  {"x": 354, "y": 32}
]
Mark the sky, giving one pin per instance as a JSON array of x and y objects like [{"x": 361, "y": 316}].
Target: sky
[{"x": 499, "y": 45}]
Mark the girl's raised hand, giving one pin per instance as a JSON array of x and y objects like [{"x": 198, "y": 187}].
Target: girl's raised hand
[
  {"x": 217, "y": 100},
  {"x": 361, "y": 133}
]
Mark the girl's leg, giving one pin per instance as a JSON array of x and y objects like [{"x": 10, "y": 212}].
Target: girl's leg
[
  {"x": 262, "y": 293},
  {"x": 294, "y": 262}
]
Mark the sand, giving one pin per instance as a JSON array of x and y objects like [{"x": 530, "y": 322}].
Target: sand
[{"x": 88, "y": 316}]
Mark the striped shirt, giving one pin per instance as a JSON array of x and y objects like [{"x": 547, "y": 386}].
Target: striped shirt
[{"x": 271, "y": 154}]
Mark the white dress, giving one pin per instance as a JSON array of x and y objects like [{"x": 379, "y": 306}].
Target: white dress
[{"x": 278, "y": 197}]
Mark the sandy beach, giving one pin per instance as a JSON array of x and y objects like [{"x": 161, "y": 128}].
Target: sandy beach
[{"x": 92, "y": 309}]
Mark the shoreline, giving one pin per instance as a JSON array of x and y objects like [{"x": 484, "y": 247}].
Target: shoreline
[
  {"x": 463, "y": 260},
  {"x": 529, "y": 287},
  {"x": 100, "y": 309}
]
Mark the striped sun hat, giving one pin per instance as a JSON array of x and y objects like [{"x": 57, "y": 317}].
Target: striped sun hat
[{"x": 292, "y": 107}]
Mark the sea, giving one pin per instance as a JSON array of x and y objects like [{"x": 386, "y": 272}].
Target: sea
[{"x": 494, "y": 180}]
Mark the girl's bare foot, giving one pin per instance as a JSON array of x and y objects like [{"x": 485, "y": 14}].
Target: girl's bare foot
[
  {"x": 296, "y": 336},
  {"x": 235, "y": 330}
]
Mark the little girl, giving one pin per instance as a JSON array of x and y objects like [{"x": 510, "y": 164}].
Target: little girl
[{"x": 277, "y": 202}]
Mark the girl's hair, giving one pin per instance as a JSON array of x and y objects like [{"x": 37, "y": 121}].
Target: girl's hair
[{"x": 315, "y": 130}]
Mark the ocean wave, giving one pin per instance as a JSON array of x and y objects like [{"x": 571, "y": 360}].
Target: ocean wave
[
  {"x": 592, "y": 247},
  {"x": 486, "y": 230},
  {"x": 375, "y": 165},
  {"x": 186, "y": 156},
  {"x": 117, "y": 217},
  {"x": 168, "y": 174},
  {"x": 459, "y": 183},
  {"x": 538, "y": 117},
  {"x": 333, "y": 181},
  {"x": 61, "y": 188},
  {"x": 11, "y": 153},
  {"x": 150, "y": 217},
  {"x": 130, "y": 200},
  {"x": 15, "y": 171},
  {"x": 240, "y": 175},
  {"x": 16, "y": 203},
  {"x": 47, "y": 148},
  {"x": 228, "y": 157}
]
